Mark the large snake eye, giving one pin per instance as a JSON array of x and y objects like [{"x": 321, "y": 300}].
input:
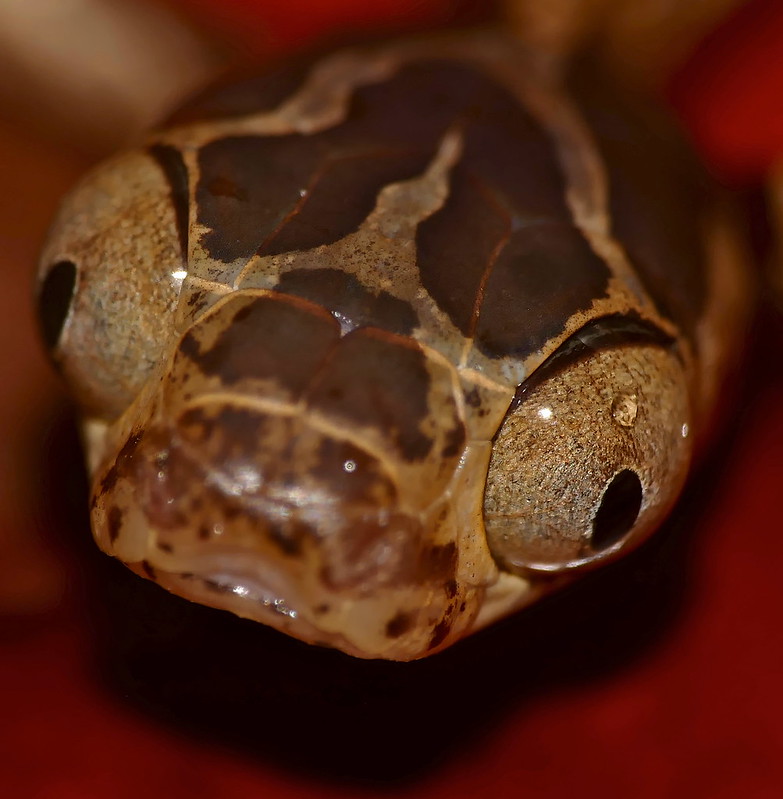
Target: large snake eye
[
  {"x": 590, "y": 460},
  {"x": 110, "y": 274},
  {"x": 54, "y": 300}
]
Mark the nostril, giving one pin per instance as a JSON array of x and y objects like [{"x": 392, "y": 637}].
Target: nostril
[
  {"x": 54, "y": 300},
  {"x": 618, "y": 510}
]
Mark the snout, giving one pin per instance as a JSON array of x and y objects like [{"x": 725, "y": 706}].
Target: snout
[{"x": 259, "y": 513}]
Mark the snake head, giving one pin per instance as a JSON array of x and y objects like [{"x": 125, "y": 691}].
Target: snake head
[{"x": 375, "y": 362}]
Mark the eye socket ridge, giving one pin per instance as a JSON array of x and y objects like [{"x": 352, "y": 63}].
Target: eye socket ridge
[{"x": 599, "y": 334}]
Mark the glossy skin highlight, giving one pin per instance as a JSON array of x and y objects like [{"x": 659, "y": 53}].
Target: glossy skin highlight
[{"x": 371, "y": 363}]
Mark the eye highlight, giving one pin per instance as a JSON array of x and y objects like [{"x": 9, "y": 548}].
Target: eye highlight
[{"x": 54, "y": 301}]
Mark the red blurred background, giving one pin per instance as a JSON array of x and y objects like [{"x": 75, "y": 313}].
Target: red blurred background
[{"x": 660, "y": 677}]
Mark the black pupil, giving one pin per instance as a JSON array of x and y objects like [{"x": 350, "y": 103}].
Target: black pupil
[
  {"x": 54, "y": 300},
  {"x": 618, "y": 510}
]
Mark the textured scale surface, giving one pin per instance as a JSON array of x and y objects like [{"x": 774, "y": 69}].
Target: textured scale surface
[{"x": 379, "y": 349}]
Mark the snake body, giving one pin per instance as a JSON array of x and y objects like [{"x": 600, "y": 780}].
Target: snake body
[{"x": 378, "y": 348}]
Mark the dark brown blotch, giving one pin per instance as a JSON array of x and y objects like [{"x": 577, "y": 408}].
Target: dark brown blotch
[
  {"x": 439, "y": 633},
  {"x": 341, "y": 194},
  {"x": 170, "y": 160},
  {"x": 454, "y": 441},
  {"x": 265, "y": 176},
  {"x": 544, "y": 275},
  {"x": 353, "y": 304},
  {"x": 221, "y": 186},
  {"x": 278, "y": 338},
  {"x": 457, "y": 246},
  {"x": 121, "y": 463},
  {"x": 289, "y": 536},
  {"x": 298, "y": 192},
  {"x": 658, "y": 193},
  {"x": 473, "y": 398},
  {"x": 351, "y": 475},
  {"x": 399, "y": 624},
  {"x": 114, "y": 523},
  {"x": 230, "y": 440},
  {"x": 381, "y": 381},
  {"x": 439, "y": 563}
]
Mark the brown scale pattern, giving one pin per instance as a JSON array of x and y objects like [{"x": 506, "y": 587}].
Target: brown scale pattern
[
  {"x": 503, "y": 245},
  {"x": 363, "y": 297}
]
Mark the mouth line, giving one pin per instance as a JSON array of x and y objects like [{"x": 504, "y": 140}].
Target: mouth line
[
  {"x": 245, "y": 588},
  {"x": 227, "y": 578}
]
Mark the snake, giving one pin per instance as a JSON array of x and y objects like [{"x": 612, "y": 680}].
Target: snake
[{"x": 381, "y": 346}]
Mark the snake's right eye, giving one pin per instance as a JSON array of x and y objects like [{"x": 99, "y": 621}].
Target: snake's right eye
[
  {"x": 54, "y": 301},
  {"x": 590, "y": 460}
]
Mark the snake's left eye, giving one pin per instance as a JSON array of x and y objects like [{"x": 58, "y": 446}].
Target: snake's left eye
[
  {"x": 54, "y": 301},
  {"x": 110, "y": 276},
  {"x": 590, "y": 460}
]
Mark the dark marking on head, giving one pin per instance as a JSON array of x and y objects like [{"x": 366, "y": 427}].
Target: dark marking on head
[
  {"x": 197, "y": 300},
  {"x": 164, "y": 547},
  {"x": 482, "y": 253},
  {"x": 451, "y": 588},
  {"x": 227, "y": 435},
  {"x": 352, "y": 303},
  {"x": 266, "y": 177},
  {"x": 351, "y": 475},
  {"x": 473, "y": 398},
  {"x": 221, "y": 186},
  {"x": 298, "y": 192},
  {"x": 439, "y": 563},
  {"x": 114, "y": 523},
  {"x": 204, "y": 533},
  {"x": 170, "y": 160},
  {"x": 544, "y": 275},
  {"x": 289, "y": 535},
  {"x": 455, "y": 441},
  {"x": 439, "y": 633},
  {"x": 281, "y": 338},
  {"x": 148, "y": 569},
  {"x": 271, "y": 195},
  {"x": 121, "y": 463},
  {"x": 457, "y": 246},
  {"x": 399, "y": 625},
  {"x": 378, "y": 380},
  {"x": 340, "y": 195},
  {"x": 657, "y": 193}
]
